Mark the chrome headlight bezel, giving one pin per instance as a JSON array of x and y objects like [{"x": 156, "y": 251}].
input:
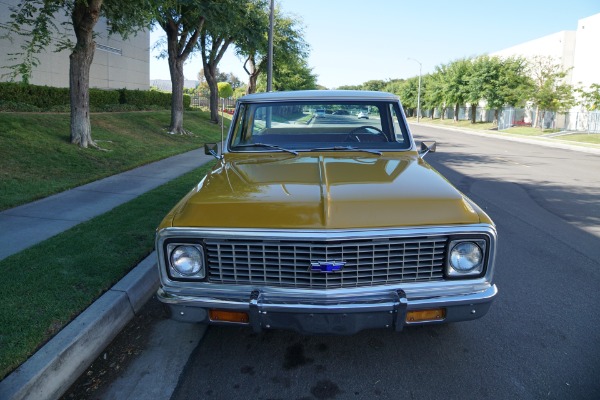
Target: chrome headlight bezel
[
  {"x": 197, "y": 253},
  {"x": 480, "y": 245}
]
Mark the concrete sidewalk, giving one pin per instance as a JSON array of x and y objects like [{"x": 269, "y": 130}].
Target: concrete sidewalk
[
  {"x": 29, "y": 224},
  {"x": 56, "y": 366}
]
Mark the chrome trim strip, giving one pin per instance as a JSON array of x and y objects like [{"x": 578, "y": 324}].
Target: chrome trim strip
[
  {"x": 328, "y": 234},
  {"x": 246, "y": 303}
]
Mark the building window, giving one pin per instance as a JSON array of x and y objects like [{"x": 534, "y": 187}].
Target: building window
[{"x": 109, "y": 49}]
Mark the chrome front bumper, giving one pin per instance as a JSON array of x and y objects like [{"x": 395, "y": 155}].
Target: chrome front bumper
[{"x": 385, "y": 309}]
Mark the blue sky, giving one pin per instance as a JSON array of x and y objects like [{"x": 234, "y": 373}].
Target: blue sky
[{"x": 355, "y": 41}]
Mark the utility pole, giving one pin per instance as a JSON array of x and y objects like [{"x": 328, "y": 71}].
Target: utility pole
[{"x": 270, "y": 54}]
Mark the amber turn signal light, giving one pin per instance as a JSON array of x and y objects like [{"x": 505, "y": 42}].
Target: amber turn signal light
[
  {"x": 437, "y": 314},
  {"x": 228, "y": 316}
]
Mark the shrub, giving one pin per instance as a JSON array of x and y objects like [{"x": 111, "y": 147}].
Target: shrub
[
  {"x": 42, "y": 97},
  {"x": 13, "y": 106},
  {"x": 143, "y": 98},
  {"x": 102, "y": 98},
  {"x": 33, "y": 98},
  {"x": 225, "y": 90}
]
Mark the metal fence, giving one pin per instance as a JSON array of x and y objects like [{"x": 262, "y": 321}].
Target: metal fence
[
  {"x": 198, "y": 101},
  {"x": 586, "y": 121},
  {"x": 583, "y": 121},
  {"x": 464, "y": 114},
  {"x": 508, "y": 117}
]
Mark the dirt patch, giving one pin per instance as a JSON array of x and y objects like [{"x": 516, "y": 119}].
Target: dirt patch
[{"x": 130, "y": 342}]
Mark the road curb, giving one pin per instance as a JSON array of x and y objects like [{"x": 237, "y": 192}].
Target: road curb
[{"x": 57, "y": 365}]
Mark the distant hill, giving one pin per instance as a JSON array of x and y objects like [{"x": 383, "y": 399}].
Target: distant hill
[{"x": 165, "y": 84}]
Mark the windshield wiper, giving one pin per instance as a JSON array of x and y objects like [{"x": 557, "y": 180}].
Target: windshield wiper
[
  {"x": 345, "y": 148},
  {"x": 270, "y": 146}
]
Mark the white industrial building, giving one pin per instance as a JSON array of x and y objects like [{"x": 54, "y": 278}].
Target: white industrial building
[
  {"x": 577, "y": 51},
  {"x": 117, "y": 63}
]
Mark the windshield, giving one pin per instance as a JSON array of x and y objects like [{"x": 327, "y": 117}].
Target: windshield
[{"x": 312, "y": 126}]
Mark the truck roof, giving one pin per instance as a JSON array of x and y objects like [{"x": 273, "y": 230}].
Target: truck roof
[{"x": 336, "y": 95}]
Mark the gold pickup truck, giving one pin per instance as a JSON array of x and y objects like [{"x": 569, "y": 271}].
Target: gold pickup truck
[{"x": 324, "y": 225}]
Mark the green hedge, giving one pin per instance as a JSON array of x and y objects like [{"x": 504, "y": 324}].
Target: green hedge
[
  {"x": 25, "y": 98},
  {"x": 100, "y": 98},
  {"x": 39, "y": 96}
]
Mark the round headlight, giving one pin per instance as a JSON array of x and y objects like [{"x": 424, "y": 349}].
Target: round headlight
[
  {"x": 187, "y": 260},
  {"x": 466, "y": 257}
]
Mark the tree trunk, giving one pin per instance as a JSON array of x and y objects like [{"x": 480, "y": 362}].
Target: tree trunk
[
  {"x": 496, "y": 113},
  {"x": 211, "y": 79},
  {"x": 473, "y": 113},
  {"x": 253, "y": 73},
  {"x": 543, "y": 119},
  {"x": 456, "y": 112},
  {"x": 178, "y": 51},
  {"x": 210, "y": 61},
  {"x": 84, "y": 17},
  {"x": 176, "y": 70},
  {"x": 537, "y": 116}
]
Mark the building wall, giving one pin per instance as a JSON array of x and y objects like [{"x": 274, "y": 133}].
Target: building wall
[
  {"x": 560, "y": 46},
  {"x": 587, "y": 52},
  {"x": 117, "y": 63},
  {"x": 577, "y": 51}
]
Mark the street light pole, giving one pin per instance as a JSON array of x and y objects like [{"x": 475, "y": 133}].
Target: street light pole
[
  {"x": 419, "y": 92},
  {"x": 270, "y": 53},
  {"x": 270, "y": 64}
]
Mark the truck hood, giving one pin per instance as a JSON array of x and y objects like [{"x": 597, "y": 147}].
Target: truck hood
[{"x": 323, "y": 191}]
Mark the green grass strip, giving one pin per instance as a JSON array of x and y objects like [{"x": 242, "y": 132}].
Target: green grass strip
[
  {"x": 583, "y": 137},
  {"x": 37, "y": 160},
  {"x": 44, "y": 287}
]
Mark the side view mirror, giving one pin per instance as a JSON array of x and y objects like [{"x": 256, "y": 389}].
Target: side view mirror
[
  {"x": 212, "y": 149},
  {"x": 427, "y": 147}
]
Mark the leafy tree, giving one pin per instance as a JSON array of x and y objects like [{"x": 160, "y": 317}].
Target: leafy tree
[
  {"x": 234, "y": 81},
  {"x": 182, "y": 21},
  {"x": 225, "y": 90},
  {"x": 288, "y": 44},
  {"x": 590, "y": 99},
  {"x": 408, "y": 91},
  {"x": 550, "y": 93},
  {"x": 203, "y": 89},
  {"x": 498, "y": 81},
  {"x": 374, "y": 85},
  {"x": 455, "y": 81},
  {"x": 233, "y": 20},
  {"x": 221, "y": 77},
  {"x": 432, "y": 95},
  {"x": 514, "y": 86},
  {"x": 393, "y": 85},
  {"x": 35, "y": 20},
  {"x": 239, "y": 92},
  {"x": 482, "y": 71},
  {"x": 294, "y": 74}
]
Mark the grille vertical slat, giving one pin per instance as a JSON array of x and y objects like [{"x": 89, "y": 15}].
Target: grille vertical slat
[{"x": 287, "y": 262}]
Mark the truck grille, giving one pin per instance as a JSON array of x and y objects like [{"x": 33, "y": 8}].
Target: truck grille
[{"x": 286, "y": 263}]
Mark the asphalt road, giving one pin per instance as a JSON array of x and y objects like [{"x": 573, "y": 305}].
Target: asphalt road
[{"x": 541, "y": 338}]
